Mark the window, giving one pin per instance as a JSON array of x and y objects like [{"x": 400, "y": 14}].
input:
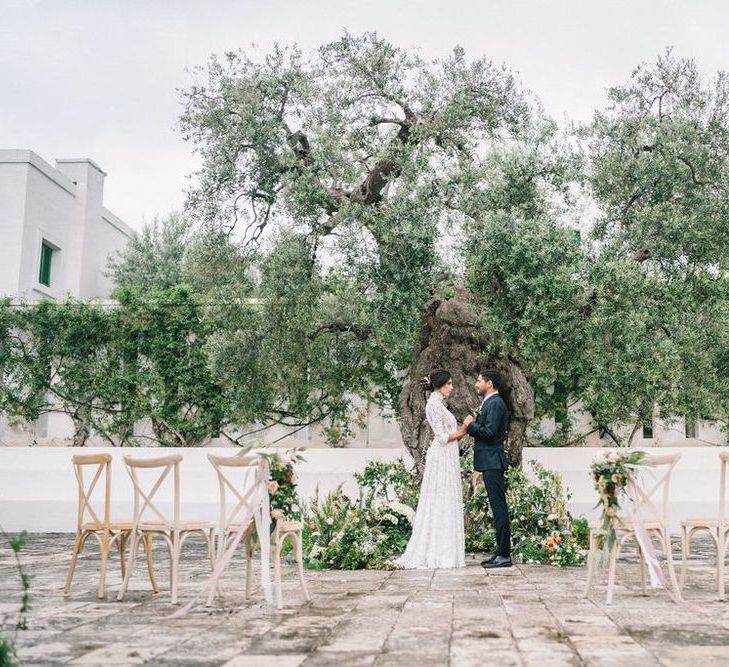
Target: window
[
  {"x": 648, "y": 430},
  {"x": 691, "y": 428},
  {"x": 44, "y": 275}
]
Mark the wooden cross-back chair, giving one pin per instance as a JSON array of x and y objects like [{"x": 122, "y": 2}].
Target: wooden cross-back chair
[
  {"x": 90, "y": 522},
  {"x": 716, "y": 526},
  {"x": 242, "y": 517},
  {"x": 656, "y": 482},
  {"x": 174, "y": 531}
]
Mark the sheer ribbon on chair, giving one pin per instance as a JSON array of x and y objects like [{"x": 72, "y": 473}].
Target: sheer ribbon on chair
[
  {"x": 253, "y": 505},
  {"x": 641, "y": 521}
]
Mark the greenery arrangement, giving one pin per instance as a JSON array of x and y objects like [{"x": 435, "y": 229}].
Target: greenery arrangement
[
  {"x": 284, "y": 499},
  {"x": 370, "y": 530},
  {"x": 611, "y": 472},
  {"x": 542, "y": 530}
]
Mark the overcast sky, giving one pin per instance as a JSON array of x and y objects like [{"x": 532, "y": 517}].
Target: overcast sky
[{"x": 98, "y": 78}]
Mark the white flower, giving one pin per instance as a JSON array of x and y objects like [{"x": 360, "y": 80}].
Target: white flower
[
  {"x": 613, "y": 457},
  {"x": 329, "y": 521},
  {"x": 272, "y": 486},
  {"x": 402, "y": 508},
  {"x": 552, "y": 517},
  {"x": 522, "y": 518},
  {"x": 540, "y": 522}
]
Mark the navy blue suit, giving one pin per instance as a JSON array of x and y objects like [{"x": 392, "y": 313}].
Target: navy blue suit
[{"x": 489, "y": 432}]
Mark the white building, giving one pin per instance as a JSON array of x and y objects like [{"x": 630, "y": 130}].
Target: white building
[
  {"x": 55, "y": 240},
  {"x": 55, "y": 234}
]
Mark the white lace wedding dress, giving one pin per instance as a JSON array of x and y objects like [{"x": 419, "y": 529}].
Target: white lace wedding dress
[{"x": 438, "y": 539}]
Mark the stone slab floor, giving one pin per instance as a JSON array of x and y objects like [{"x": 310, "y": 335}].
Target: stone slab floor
[{"x": 528, "y": 615}]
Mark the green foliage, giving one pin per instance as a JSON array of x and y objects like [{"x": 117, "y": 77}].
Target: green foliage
[
  {"x": 541, "y": 527},
  {"x": 339, "y": 192},
  {"x": 153, "y": 258},
  {"x": 341, "y": 533},
  {"x": 347, "y": 157},
  {"x": 109, "y": 367},
  {"x": 611, "y": 473},
  {"x": 284, "y": 498},
  {"x": 8, "y": 656}
]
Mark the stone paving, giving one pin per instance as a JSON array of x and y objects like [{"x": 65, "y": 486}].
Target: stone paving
[{"x": 528, "y": 615}]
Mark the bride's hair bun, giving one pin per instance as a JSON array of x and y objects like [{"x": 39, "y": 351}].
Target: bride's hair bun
[{"x": 435, "y": 380}]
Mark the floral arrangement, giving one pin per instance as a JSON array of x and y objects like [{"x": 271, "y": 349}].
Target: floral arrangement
[
  {"x": 542, "y": 530},
  {"x": 611, "y": 472},
  {"x": 283, "y": 494},
  {"x": 368, "y": 532},
  {"x": 371, "y": 529}
]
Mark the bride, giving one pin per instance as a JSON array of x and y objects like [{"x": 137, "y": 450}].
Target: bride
[{"x": 438, "y": 539}]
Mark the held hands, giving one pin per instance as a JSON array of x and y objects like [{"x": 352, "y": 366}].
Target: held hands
[{"x": 464, "y": 427}]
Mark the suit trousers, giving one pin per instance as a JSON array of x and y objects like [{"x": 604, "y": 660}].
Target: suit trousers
[{"x": 495, "y": 483}]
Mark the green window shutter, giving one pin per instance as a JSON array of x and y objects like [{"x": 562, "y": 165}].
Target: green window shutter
[{"x": 44, "y": 277}]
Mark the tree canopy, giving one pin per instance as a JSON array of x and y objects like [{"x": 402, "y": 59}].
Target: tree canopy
[{"x": 363, "y": 215}]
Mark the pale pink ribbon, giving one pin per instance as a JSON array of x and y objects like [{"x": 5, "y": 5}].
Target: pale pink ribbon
[
  {"x": 259, "y": 510},
  {"x": 655, "y": 573}
]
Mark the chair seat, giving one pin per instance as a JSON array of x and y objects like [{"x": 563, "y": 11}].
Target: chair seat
[
  {"x": 709, "y": 522},
  {"x": 290, "y": 526},
  {"x": 630, "y": 524},
  {"x": 114, "y": 526},
  {"x": 182, "y": 524}
]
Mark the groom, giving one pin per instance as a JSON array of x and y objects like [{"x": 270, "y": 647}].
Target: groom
[{"x": 488, "y": 430}]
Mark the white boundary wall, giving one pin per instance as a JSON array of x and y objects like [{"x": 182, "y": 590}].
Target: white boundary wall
[{"x": 38, "y": 489}]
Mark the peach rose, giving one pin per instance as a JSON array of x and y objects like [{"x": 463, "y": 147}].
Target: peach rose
[{"x": 277, "y": 514}]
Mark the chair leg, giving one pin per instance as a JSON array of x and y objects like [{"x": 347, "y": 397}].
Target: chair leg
[
  {"x": 297, "y": 537},
  {"x": 105, "y": 549},
  {"x": 175, "y": 564},
  {"x": 277, "y": 570},
  {"x": 720, "y": 556},
  {"x": 591, "y": 556},
  {"x": 77, "y": 546},
  {"x": 614, "y": 552},
  {"x": 642, "y": 570},
  {"x": 671, "y": 569},
  {"x": 685, "y": 553},
  {"x": 210, "y": 537},
  {"x": 130, "y": 565},
  {"x": 150, "y": 561},
  {"x": 249, "y": 566},
  {"x": 121, "y": 545}
]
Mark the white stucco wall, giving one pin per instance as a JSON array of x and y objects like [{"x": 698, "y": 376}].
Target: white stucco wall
[{"x": 38, "y": 490}]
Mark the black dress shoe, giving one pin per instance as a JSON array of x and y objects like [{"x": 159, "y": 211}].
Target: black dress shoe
[
  {"x": 489, "y": 560},
  {"x": 499, "y": 561}
]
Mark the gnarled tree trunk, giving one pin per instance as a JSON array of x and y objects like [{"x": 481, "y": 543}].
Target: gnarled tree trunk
[{"x": 450, "y": 340}]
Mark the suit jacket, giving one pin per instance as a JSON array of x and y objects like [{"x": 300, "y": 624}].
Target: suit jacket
[{"x": 489, "y": 431}]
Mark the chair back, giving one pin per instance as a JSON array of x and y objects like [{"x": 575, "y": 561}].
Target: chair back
[
  {"x": 724, "y": 460},
  {"x": 652, "y": 486},
  {"x": 145, "y": 490},
  {"x": 244, "y": 478},
  {"x": 99, "y": 465}
]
